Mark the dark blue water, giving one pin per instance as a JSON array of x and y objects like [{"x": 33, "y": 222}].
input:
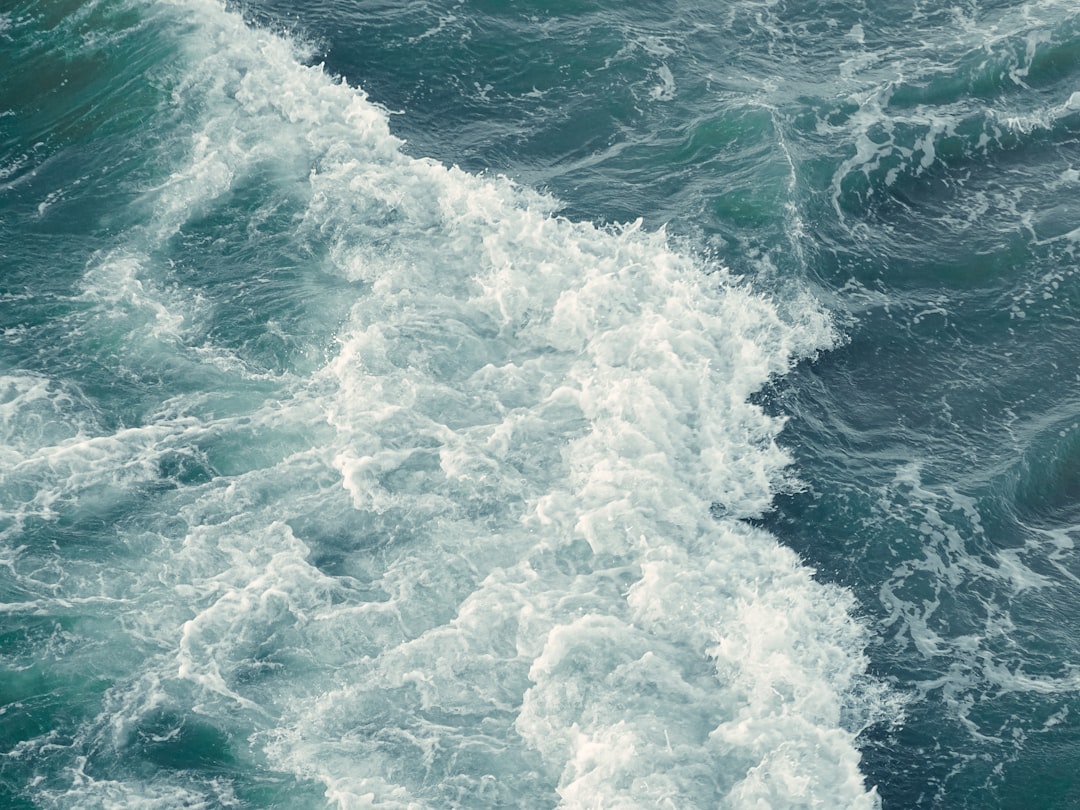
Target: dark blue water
[{"x": 539, "y": 404}]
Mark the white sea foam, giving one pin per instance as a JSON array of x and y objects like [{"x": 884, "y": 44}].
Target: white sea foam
[{"x": 473, "y": 561}]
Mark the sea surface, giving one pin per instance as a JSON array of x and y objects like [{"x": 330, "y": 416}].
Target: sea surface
[{"x": 539, "y": 404}]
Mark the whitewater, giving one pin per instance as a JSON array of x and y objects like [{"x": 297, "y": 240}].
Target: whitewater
[{"x": 344, "y": 477}]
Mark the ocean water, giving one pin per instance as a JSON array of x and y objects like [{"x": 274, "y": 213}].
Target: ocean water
[{"x": 539, "y": 404}]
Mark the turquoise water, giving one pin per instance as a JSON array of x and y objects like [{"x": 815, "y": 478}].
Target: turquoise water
[{"x": 539, "y": 404}]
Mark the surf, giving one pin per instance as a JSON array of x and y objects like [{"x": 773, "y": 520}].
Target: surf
[{"x": 420, "y": 494}]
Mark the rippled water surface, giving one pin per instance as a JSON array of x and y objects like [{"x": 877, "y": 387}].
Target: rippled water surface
[{"x": 539, "y": 404}]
